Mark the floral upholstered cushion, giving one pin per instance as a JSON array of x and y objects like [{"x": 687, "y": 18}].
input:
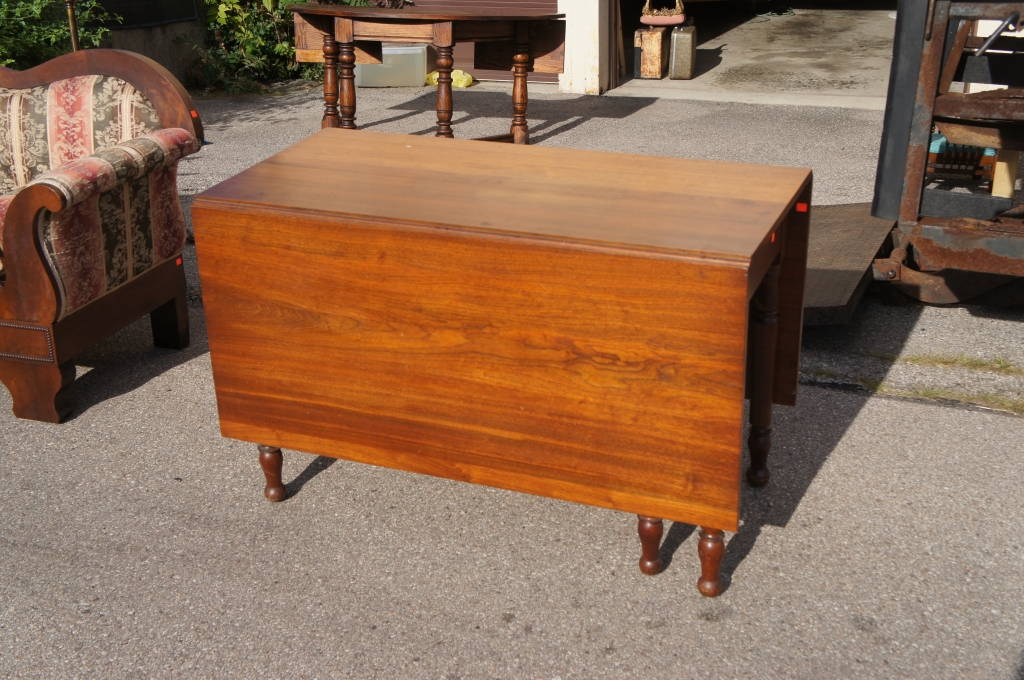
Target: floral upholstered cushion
[
  {"x": 44, "y": 127},
  {"x": 122, "y": 215}
]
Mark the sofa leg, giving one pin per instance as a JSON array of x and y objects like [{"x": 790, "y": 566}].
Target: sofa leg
[
  {"x": 36, "y": 389},
  {"x": 170, "y": 323}
]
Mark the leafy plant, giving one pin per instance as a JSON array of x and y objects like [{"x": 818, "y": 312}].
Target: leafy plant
[
  {"x": 250, "y": 44},
  {"x": 33, "y": 31}
]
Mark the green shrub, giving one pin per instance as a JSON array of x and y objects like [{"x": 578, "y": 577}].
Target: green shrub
[
  {"x": 33, "y": 31},
  {"x": 250, "y": 44}
]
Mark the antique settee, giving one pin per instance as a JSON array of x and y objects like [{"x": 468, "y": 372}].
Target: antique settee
[{"x": 91, "y": 227}]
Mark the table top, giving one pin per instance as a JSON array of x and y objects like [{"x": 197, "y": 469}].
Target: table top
[
  {"x": 415, "y": 13},
  {"x": 682, "y": 207}
]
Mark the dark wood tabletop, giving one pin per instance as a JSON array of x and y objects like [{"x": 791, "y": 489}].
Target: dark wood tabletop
[{"x": 414, "y": 13}]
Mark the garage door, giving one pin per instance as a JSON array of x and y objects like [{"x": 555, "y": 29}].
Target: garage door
[{"x": 464, "y": 51}]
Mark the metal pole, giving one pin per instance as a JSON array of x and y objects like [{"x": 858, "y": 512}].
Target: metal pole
[{"x": 72, "y": 24}]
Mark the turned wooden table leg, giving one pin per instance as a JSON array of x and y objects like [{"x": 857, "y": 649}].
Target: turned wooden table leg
[
  {"x": 445, "y": 61},
  {"x": 271, "y": 459},
  {"x": 650, "y": 530},
  {"x": 347, "y": 76},
  {"x": 765, "y": 317},
  {"x": 330, "y": 118},
  {"x": 520, "y": 68},
  {"x": 710, "y": 549}
]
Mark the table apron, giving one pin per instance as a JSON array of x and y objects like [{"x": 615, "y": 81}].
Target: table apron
[
  {"x": 423, "y": 31},
  {"x": 389, "y": 31}
]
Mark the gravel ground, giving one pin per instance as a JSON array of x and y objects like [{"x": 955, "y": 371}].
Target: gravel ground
[{"x": 136, "y": 542}]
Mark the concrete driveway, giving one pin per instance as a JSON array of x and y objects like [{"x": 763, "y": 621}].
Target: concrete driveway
[{"x": 136, "y": 542}]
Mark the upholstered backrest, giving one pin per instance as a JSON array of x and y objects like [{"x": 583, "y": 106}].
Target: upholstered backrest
[{"x": 42, "y": 128}]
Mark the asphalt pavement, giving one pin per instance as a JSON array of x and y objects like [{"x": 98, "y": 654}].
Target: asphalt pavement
[{"x": 136, "y": 542}]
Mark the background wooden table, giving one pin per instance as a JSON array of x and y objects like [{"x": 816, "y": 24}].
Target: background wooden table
[
  {"x": 341, "y": 36},
  {"x": 564, "y": 328}
]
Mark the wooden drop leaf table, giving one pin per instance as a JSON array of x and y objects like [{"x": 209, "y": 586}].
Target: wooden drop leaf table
[
  {"x": 544, "y": 320},
  {"x": 520, "y": 40}
]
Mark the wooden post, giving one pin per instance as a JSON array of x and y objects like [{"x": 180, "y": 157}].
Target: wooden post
[
  {"x": 710, "y": 549},
  {"x": 444, "y": 42},
  {"x": 330, "y": 117},
  {"x": 1004, "y": 174},
  {"x": 72, "y": 23},
  {"x": 650, "y": 530},
  {"x": 271, "y": 460}
]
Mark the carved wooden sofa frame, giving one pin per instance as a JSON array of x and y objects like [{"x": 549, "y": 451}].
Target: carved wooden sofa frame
[{"x": 47, "y": 316}]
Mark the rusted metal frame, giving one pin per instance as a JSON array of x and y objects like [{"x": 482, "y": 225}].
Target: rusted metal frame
[
  {"x": 988, "y": 253},
  {"x": 956, "y": 243},
  {"x": 994, "y": 105},
  {"x": 924, "y": 100},
  {"x": 985, "y": 10},
  {"x": 970, "y": 245},
  {"x": 952, "y": 286},
  {"x": 963, "y": 30}
]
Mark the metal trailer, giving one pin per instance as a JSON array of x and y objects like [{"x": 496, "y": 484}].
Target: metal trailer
[{"x": 954, "y": 238}]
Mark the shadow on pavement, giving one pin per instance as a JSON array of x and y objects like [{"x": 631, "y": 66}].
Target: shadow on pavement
[
  {"x": 128, "y": 360},
  {"x": 547, "y": 118},
  {"x": 315, "y": 467},
  {"x": 279, "y": 106},
  {"x": 707, "y": 59},
  {"x": 804, "y": 437}
]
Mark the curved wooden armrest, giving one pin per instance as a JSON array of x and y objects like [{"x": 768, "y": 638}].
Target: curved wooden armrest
[
  {"x": 106, "y": 168},
  {"x": 27, "y": 289},
  {"x": 27, "y": 292}
]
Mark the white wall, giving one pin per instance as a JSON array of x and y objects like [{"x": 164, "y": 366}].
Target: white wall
[{"x": 586, "y": 46}]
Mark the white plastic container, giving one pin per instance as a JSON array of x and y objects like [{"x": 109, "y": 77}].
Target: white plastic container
[{"x": 404, "y": 66}]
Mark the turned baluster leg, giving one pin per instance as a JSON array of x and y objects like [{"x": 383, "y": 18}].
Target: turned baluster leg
[
  {"x": 710, "y": 549},
  {"x": 445, "y": 61},
  {"x": 650, "y": 530},
  {"x": 347, "y": 74},
  {"x": 520, "y": 66},
  {"x": 330, "y": 118},
  {"x": 271, "y": 459},
  {"x": 765, "y": 317}
]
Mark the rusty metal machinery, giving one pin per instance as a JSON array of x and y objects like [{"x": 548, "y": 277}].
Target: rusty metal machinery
[{"x": 957, "y": 76}]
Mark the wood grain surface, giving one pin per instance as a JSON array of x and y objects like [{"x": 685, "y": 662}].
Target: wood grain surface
[
  {"x": 469, "y": 317},
  {"x": 706, "y": 209},
  {"x": 483, "y": 13}
]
